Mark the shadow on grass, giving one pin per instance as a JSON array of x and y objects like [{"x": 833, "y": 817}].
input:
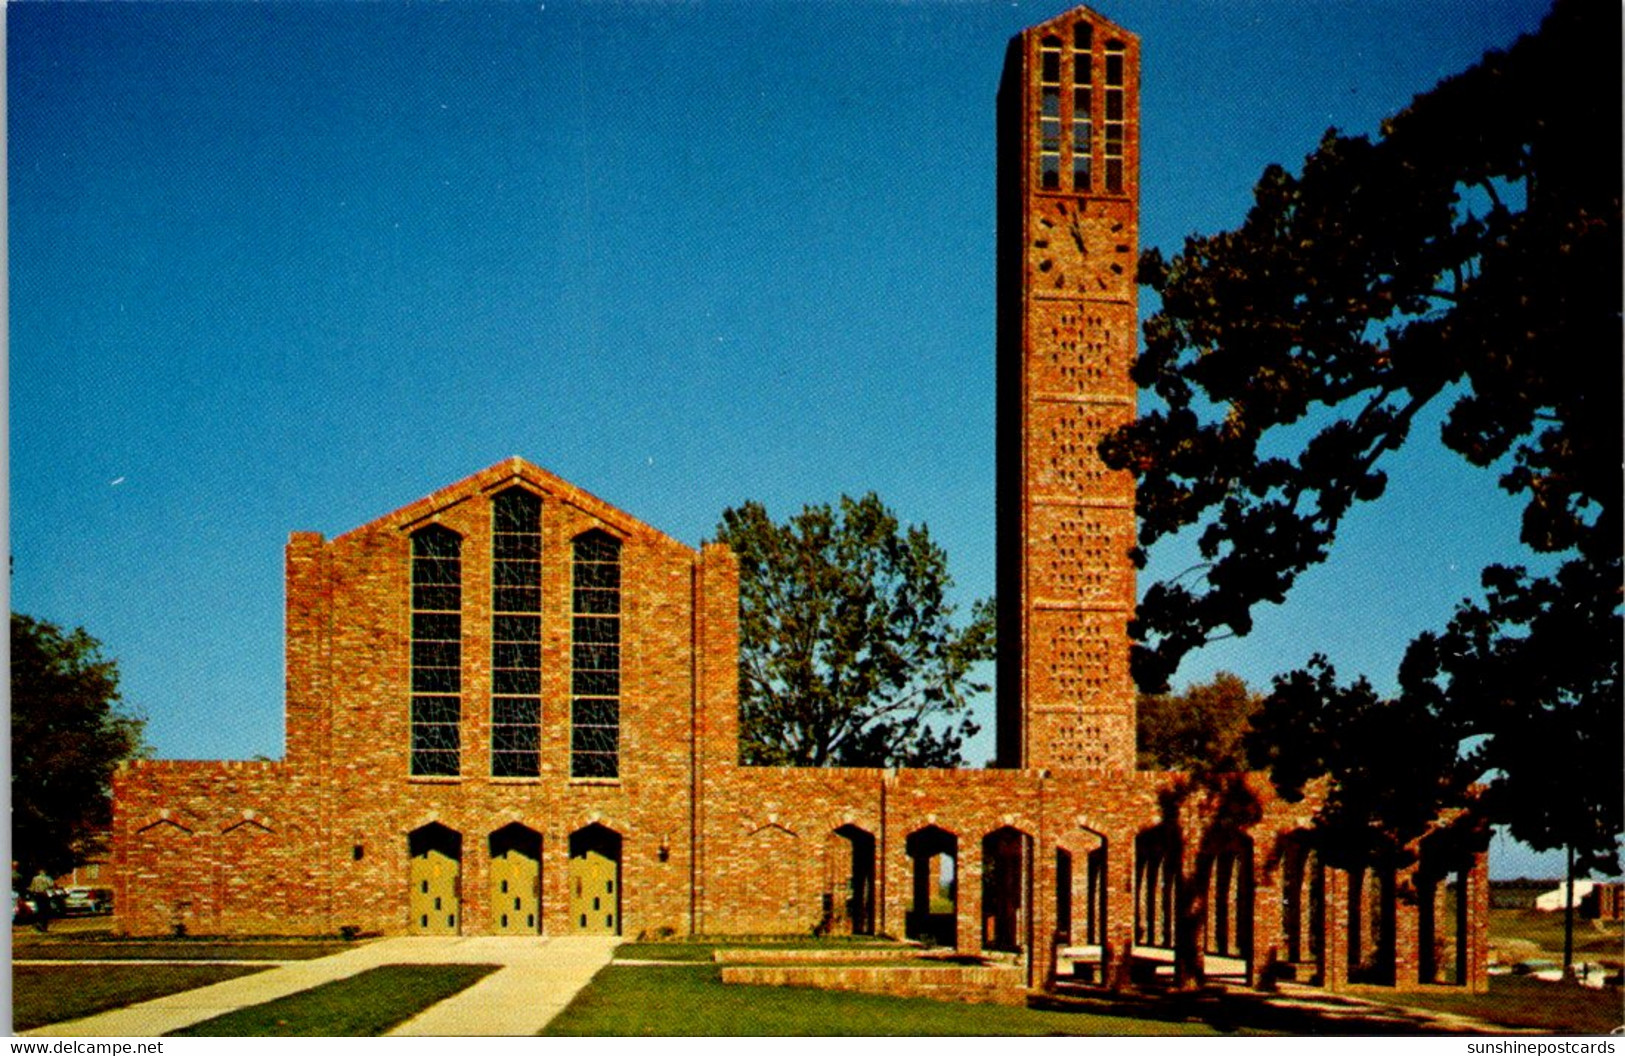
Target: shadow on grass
[{"x": 1230, "y": 1011}]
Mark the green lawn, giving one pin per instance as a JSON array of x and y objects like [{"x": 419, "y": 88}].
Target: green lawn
[
  {"x": 1518, "y": 1001},
  {"x": 42, "y": 994},
  {"x": 692, "y": 1001},
  {"x": 1515, "y": 931},
  {"x": 362, "y": 1005}
]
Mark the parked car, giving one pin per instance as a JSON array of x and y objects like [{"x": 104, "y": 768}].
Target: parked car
[
  {"x": 25, "y": 906},
  {"x": 87, "y": 900}
]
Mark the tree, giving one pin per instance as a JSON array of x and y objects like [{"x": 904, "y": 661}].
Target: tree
[
  {"x": 849, "y": 655},
  {"x": 1394, "y": 768},
  {"x": 1200, "y": 729},
  {"x": 1468, "y": 257},
  {"x": 67, "y": 737},
  {"x": 1530, "y": 681}
]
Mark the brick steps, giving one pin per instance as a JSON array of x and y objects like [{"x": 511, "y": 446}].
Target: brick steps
[
  {"x": 852, "y": 953},
  {"x": 980, "y": 984}
]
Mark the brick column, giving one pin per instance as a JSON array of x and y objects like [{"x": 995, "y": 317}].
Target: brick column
[
  {"x": 1408, "y": 936},
  {"x": 1334, "y": 943},
  {"x": 1119, "y": 907},
  {"x": 1041, "y": 913},
  {"x": 716, "y": 708},
  {"x": 308, "y": 614},
  {"x": 968, "y": 912},
  {"x": 1476, "y": 927},
  {"x": 1269, "y": 930}
]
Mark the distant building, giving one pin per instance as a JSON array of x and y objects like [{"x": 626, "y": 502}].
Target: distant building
[
  {"x": 1593, "y": 900},
  {"x": 94, "y": 873},
  {"x": 1605, "y": 902},
  {"x": 1555, "y": 899},
  {"x": 513, "y": 708}
]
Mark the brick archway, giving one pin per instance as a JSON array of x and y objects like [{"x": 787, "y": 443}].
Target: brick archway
[
  {"x": 933, "y": 913},
  {"x": 850, "y": 895},
  {"x": 1007, "y": 890},
  {"x": 1080, "y": 905}
]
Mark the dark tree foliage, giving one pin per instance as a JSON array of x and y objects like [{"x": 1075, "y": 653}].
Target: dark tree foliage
[
  {"x": 1394, "y": 768},
  {"x": 1529, "y": 681},
  {"x": 849, "y": 655},
  {"x": 1198, "y": 730},
  {"x": 1469, "y": 257},
  {"x": 67, "y": 736}
]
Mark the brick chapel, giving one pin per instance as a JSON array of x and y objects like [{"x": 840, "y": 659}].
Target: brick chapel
[{"x": 513, "y": 708}]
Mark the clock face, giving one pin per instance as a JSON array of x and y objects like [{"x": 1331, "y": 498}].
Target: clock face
[{"x": 1080, "y": 249}]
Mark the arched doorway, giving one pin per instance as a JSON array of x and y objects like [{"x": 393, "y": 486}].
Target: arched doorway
[
  {"x": 1442, "y": 926},
  {"x": 851, "y": 891},
  {"x": 1158, "y": 858},
  {"x": 516, "y": 880},
  {"x": 1227, "y": 927},
  {"x": 1006, "y": 871},
  {"x": 1303, "y": 910},
  {"x": 933, "y": 915},
  {"x": 1080, "y": 906},
  {"x": 595, "y": 881},
  {"x": 435, "y": 899},
  {"x": 1156, "y": 878},
  {"x": 1371, "y": 930}
]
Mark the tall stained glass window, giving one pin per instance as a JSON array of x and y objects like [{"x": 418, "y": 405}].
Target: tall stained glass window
[
  {"x": 437, "y": 651},
  {"x": 516, "y": 634},
  {"x": 595, "y": 657}
]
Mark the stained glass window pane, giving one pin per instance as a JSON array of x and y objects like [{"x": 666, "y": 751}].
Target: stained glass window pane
[{"x": 595, "y": 656}]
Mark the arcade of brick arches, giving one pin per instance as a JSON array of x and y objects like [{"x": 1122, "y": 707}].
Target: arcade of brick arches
[{"x": 513, "y": 708}]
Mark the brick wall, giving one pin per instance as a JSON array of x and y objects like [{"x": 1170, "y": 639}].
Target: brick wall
[{"x": 319, "y": 841}]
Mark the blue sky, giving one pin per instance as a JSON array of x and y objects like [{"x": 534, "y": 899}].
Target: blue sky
[{"x": 282, "y": 267}]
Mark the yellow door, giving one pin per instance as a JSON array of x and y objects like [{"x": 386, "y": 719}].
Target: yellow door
[
  {"x": 434, "y": 902},
  {"x": 515, "y": 894},
  {"x": 594, "y": 893}
]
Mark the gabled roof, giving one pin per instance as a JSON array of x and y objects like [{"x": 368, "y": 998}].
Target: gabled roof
[
  {"x": 1077, "y": 14},
  {"x": 501, "y": 475}
]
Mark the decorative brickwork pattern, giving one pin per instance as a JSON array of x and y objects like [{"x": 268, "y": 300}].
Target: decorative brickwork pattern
[{"x": 1068, "y": 244}]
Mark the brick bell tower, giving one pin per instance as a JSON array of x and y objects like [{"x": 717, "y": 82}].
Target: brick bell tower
[{"x": 1068, "y": 208}]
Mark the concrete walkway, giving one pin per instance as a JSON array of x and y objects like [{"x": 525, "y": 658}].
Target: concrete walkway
[{"x": 539, "y": 976}]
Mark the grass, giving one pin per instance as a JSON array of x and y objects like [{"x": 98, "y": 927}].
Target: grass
[
  {"x": 1526, "y": 933},
  {"x": 360, "y": 1006},
  {"x": 692, "y": 1001},
  {"x": 42, "y": 994},
  {"x": 1519, "y": 1001}
]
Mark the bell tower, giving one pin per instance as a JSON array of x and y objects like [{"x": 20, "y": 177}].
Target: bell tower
[{"x": 1068, "y": 241}]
